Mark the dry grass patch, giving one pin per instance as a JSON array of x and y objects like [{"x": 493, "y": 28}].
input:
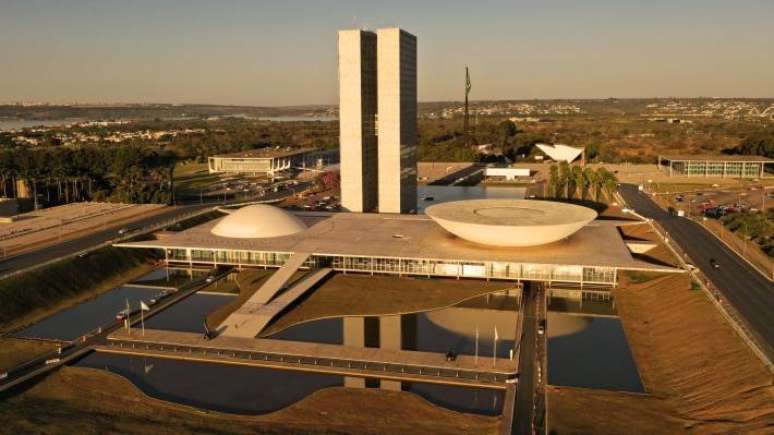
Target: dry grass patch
[
  {"x": 688, "y": 354},
  {"x": 584, "y": 411},
  {"x": 365, "y": 295}
]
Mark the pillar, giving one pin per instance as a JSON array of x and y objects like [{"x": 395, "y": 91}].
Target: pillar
[
  {"x": 390, "y": 338},
  {"x": 354, "y": 335}
]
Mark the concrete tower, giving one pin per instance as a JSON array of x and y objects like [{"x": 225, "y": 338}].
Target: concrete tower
[
  {"x": 397, "y": 120},
  {"x": 357, "y": 117}
]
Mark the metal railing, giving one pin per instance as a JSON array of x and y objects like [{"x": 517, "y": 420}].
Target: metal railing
[{"x": 315, "y": 362}]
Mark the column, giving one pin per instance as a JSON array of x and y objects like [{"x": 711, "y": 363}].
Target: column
[{"x": 390, "y": 338}]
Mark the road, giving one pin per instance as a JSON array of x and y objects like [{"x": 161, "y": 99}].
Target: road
[
  {"x": 525, "y": 393},
  {"x": 744, "y": 288},
  {"x": 72, "y": 246}
]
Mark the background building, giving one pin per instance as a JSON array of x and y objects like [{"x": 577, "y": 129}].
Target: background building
[
  {"x": 397, "y": 120},
  {"x": 715, "y": 166},
  {"x": 357, "y": 119},
  {"x": 263, "y": 161}
]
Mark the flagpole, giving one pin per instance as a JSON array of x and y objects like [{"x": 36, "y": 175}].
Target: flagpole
[
  {"x": 142, "y": 319},
  {"x": 494, "y": 348},
  {"x": 128, "y": 320},
  {"x": 476, "y": 359}
]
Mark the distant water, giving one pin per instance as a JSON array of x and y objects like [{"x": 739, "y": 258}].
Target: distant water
[
  {"x": 296, "y": 118},
  {"x": 15, "y": 124}
]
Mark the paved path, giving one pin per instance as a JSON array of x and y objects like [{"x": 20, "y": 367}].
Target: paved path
[
  {"x": 336, "y": 358},
  {"x": 749, "y": 293},
  {"x": 525, "y": 393}
]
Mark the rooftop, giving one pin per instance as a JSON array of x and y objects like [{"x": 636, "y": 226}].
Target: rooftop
[
  {"x": 413, "y": 236},
  {"x": 510, "y": 222},
  {"x": 717, "y": 158},
  {"x": 266, "y": 153}
]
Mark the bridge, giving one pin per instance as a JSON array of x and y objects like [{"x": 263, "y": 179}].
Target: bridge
[{"x": 401, "y": 365}]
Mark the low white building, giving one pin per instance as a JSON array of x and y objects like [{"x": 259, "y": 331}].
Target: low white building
[{"x": 560, "y": 152}]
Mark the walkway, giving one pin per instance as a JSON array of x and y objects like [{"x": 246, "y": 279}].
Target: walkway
[
  {"x": 249, "y": 321},
  {"x": 328, "y": 358}
]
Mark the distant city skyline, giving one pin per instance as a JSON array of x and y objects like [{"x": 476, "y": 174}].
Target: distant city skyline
[{"x": 282, "y": 54}]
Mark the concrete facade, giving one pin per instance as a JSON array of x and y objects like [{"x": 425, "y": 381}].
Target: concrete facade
[
  {"x": 397, "y": 120},
  {"x": 357, "y": 118}
]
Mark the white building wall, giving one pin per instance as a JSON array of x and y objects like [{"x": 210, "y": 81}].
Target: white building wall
[
  {"x": 397, "y": 120},
  {"x": 357, "y": 111}
]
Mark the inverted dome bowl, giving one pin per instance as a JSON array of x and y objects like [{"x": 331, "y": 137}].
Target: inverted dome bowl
[
  {"x": 258, "y": 222},
  {"x": 510, "y": 222}
]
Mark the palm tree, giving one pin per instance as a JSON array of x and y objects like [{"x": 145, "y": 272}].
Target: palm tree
[
  {"x": 577, "y": 181},
  {"x": 589, "y": 181},
  {"x": 607, "y": 182},
  {"x": 564, "y": 180},
  {"x": 553, "y": 180}
]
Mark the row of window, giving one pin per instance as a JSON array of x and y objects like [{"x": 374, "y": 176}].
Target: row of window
[{"x": 496, "y": 270}]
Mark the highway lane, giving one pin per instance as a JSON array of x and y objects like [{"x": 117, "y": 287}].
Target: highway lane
[
  {"x": 525, "y": 391},
  {"x": 744, "y": 288},
  {"x": 72, "y": 246}
]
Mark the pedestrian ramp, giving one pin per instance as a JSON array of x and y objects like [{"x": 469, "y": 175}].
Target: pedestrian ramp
[
  {"x": 258, "y": 311},
  {"x": 279, "y": 279}
]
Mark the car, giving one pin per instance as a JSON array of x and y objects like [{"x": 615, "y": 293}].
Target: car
[
  {"x": 52, "y": 361},
  {"x": 123, "y": 231},
  {"x": 123, "y": 314},
  {"x": 541, "y": 330},
  {"x": 3, "y": 375},
  {"x": 513, "y": 380},
  {"x": 210, "y": 279},
  {"x": 451, "y": 355},
  {"x": 714, "y": 263}
]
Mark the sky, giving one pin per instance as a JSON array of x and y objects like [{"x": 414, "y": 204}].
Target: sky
[{"x": 283, "y": 52}]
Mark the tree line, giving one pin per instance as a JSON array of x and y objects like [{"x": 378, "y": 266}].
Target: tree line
[
  {"x": 574, "y": 182},
  {"x": 57, "y": 175}
]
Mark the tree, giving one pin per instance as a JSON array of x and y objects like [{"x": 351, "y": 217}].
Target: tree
[
  {"x": 564, "y": 180},
  {"x": 578, "y": 181},
  {"x": 589, "y": 181},
  {"x": 553, "y": 181}
]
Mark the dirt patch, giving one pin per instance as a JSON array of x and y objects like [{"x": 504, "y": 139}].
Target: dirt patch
[
  {"x": 344, "y": 295},
  {"x": 86, "y": 401}
]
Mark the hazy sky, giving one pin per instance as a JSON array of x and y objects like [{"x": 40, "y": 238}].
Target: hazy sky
[{"x": 283, "y": 52}]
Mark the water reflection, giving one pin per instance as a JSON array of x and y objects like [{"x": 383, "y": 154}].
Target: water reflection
[
  {"x": 219, "y": 387},
  {"x": 471, "y": 400},
  {"x": 170, "y": 276},
  {"x": 188, "y": 315},
  {"x": 592, "y": 353},
  {"x": 256, "y": 390},
  {"x": 455, "y": 328},
  {"x": 73, "y": 322}
]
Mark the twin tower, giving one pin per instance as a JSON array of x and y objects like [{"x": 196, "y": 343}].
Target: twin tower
[{"x": 378, "y": 120}]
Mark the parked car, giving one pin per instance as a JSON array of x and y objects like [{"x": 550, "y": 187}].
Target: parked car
[
  {"x": 714, "y": 263},
  {"x": 123, "y": 231}
]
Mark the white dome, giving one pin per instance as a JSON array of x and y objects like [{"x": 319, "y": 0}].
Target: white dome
[
  {"x": 510, "y": 222},
  {"x": 258, "y": 222}
]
